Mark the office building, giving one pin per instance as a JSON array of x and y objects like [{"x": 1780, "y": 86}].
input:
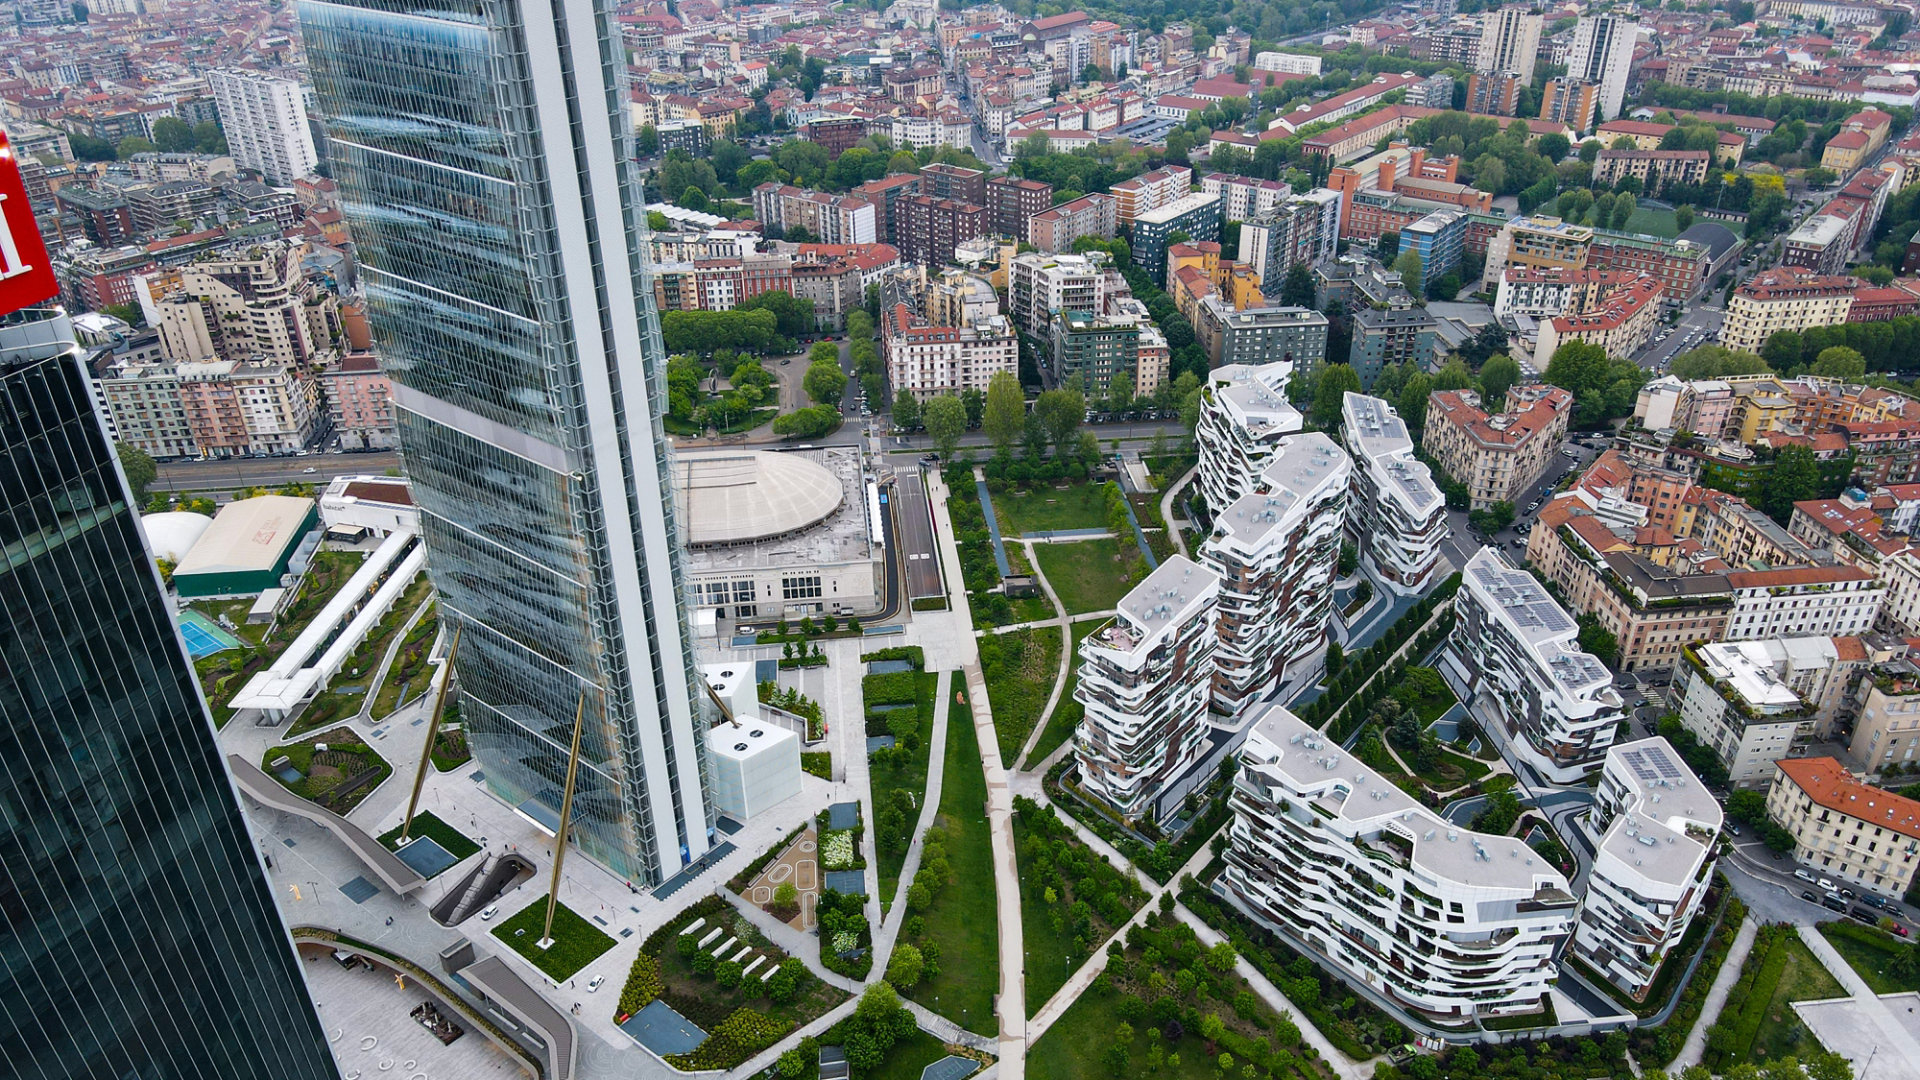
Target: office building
[
  {"x": 1399, "y": 514},
  {"x": 265, "y": 120},
  {"x": 1011, "y": 201},
  {"x": 1446, "y": 922},
  {"x": 1244, "y": 419},
  {"x": 1509, "y": 42},
  {"x": 1602, "y": 54},
  {"x": 1143, "y": 682},
  {"x": 1516, "y": 661},
  {"x": 141, "y": 937},
  {"x": 523, "y": 366},
  {"x": 1856, "y": 834},
  {"x": 1276, "y": 551},
  {"x": 1439, "y": 239},
  {"x": 1197, "y": 216},
  {"x": 1657, "y": 825},
  {"x": 1497, "y": 457}
]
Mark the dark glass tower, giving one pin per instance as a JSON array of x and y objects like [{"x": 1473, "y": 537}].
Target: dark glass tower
[
  {"x": 138, "y": 938},
  {"x": 484, "y": 157}
]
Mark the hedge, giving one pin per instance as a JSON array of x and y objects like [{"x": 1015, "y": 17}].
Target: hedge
[
  {"x": 891, "y": 688},
  {"x": 643, "y": 985},
  {"x": 739, "y": 1037},
  {"x": 913, "y": 654}
]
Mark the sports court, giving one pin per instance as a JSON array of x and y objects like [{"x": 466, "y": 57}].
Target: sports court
[{"x": 204, "y": 637}]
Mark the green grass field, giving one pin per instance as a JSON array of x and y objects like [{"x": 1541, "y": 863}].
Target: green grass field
[
  {"x": 576, "y": 942},
  {"x": 1871, "y": 952},
  {"x": 962, "y": 918},
  {"x": 426, "y": 824},
  {"x": 1047, "y": 509},
  {"x": 1066, "y": 712},
  {"x": 1088, "y": 575},
  {"x": 1653, "y": 222},
  {"x": 1020, "y": 669},
  {"x": 1759, "y": 1023}
]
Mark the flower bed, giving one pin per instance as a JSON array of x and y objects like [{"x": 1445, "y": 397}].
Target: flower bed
[{"x": 836, "y": 851}]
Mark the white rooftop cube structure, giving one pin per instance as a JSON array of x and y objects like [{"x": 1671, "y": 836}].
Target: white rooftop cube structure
[{"x": 752, "y": 767}]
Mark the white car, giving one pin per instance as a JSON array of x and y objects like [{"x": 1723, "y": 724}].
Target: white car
[
  {"x": 1825, "y": 885},
  {"x": 490, "y": 912},
  {"x": 594, "y": 983},
  {"x": 1803, "y": 875},
  {"x": 309, "y": 469}
]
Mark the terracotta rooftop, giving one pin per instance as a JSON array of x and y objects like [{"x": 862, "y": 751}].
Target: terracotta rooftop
[{"x": 1830, "y": 785}]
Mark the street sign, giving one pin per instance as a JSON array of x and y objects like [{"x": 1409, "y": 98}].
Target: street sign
[{"x": 26, "y": 274}]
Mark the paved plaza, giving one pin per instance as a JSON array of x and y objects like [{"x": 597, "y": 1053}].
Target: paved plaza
[{"x": 359, "y": 1006}]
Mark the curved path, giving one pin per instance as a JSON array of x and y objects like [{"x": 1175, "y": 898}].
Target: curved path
[
  {"x": 1166, "y": 509},
  {"x": 268, "y": 792}
]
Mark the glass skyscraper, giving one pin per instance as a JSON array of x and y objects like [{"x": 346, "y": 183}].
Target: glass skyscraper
[
  {"x": 484, "y": 160},
  {"x": 138, "y": 936}
]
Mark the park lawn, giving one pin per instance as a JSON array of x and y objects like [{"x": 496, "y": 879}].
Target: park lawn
[
  {"x": 1089, "y": 575},
  {"x": 962, "y": 918},
  {"x": 426, "y": 824},
  {"x": 907, "y": 1058},
  {"x": 1870, "y": 951},
  {"x": 1050, "y": 509},
  {"x": 1450, "y": 770},
  {"x": 1020, "y": 669},
  {"x": 1759, "y": 1023},
  {"x": 576, "y": 942},
  {"x": 1051, "y": 857},
  {"x": 1067, "y": 712},
  {"x": 1653, "y": 222},
  {"x": 906, "y": 772}
]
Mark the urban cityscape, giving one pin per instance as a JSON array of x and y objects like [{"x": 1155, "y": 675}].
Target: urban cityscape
[{"x": 915, "y": 541}]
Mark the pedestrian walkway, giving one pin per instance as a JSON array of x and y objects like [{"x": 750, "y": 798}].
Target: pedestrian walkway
[
  {"x": 1729, "y": 973},
  {"x": 1166, "y": 509},
  {"x": 1006, "y": 883},
  {"x": 1140, "y": 537},
  {"x": 993, "y": 525},
  {"x": 1881, "y": 1032}
]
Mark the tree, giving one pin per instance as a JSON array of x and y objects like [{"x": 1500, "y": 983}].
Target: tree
[
  {"x": 173, "y": 135},
  {"x": 786, "y": 897},
  {"x": 1492, "y": 518},
  {"x": 694, "y": 199},
  {"x": 1747, "y": 806},
  {"x": 1716, "y": 362},
  {"x": 1683, "y": 218},
  {"x": 809, "y": 423},
  {"x": 1413, "y": 401},
  {"x": 1385, "y": 248},
  {"x": 1795, "y": 477},
  {"x": 1839, "y": 362},
  {"x": 1410, "y": 267},
  {"x": 1005, "y": 414},
  {"x": 89, "y": 148},
  {"x": 1061, "y": 412},
  {"x": 1496, "y": 375},
  {"x": 945, "y": 420},
  {"x": 825, "y": 382},
  {"x": 1297, "y": 290},
  {"x": 906, "y": 964},
  {"x": 1623, "y": 208},
  {"x": 1782, "y": 349},
  {"x": 1120, "y": 392},
  {"x": 793, "y": 316},
  {"x": 1090, "y": 74},
  {"x": 1330, "y": 394},
  {"x": 139, "y": 467},
  {"x": 906, "y": 410},
  {"x": 1597, "y": 639},
  {"x": 131, "y": 145}
]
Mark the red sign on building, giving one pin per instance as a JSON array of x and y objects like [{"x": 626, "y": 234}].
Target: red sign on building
[{"x": 26, "y": 273}]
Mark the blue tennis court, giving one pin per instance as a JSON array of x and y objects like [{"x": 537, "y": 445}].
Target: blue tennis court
[{"x": 204, "y": 637}]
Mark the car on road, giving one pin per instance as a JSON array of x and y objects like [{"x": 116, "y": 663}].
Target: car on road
[
  {"x": 1807, "y": 895},
  {"x": 488, "y": 914},
  {"x": 1901, "y": 930},
  {"x": 309, "y": 469},
  {"x": 1834, "y": 902},
  {"x": 1826, "y": 886},
  {"x": 1861, "y": 914}
]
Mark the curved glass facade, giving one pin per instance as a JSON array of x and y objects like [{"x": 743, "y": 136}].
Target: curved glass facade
[
  {"x": 484, "y": 167},
  {"x": 137, "y": 933}
]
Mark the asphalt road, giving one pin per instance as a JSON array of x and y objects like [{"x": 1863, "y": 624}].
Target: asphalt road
[{"x": 269, "y": 472}]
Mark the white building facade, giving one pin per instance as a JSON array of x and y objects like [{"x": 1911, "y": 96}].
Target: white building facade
[
  {"x": 265, "y": 120},
  {"x": 1399, "y": 513},
  {"x": 1244, "y": 419}
]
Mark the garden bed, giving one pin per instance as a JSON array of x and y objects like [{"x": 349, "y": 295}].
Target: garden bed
[
  {"x": 1071, "y": 900},
  {"x": 1871, "y": 952},
  {"x": 411, "y": 673},
  {"x": 425, "y": 823},
  {"x": 1758, "y": 1023},
  {"x": 338, "y": 778},
  {"x": 897, "y": 778},
  {"x": 1020, "y": 668}
]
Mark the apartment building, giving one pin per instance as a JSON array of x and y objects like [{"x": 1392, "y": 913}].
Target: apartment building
[
  {"x": 1854, "y": 833},
  {"x": 1243, "y": 198},
  {"x": 1382, "y": 336},
  {"x": 1258, "y": 336},
  {"x": 886, "y": 195},
  {"x": 1039, "y": 285},
  {"x": 1655, "y": 169},
  {"x": 1536, "y": 243},
  {"x": 1011, "y": 202},
  {"x": 1276, "y": 551},
  {"x": 1509, "y": 41},
  {"x": 1143, "y": 681},
  {"x": 1054, "y": 230},
  {"x": 144, "y": 409},
  {"x": 1439, "y": 238},
  {"x": 954, "y": 182},
  {"x": 1150, "y": 191},
  {"x": 1886, "y": 734},
  {"x": 264, "y": 118},
  {"x": 927, "y": 359},
  {"x": 1515, "y": 659},
  {"x": 931, "y": 228},
  {"x": 1448, "y": 923},
  {"x": 1621, "y": 323},
  {"x": 831, "y": 219},
  {"x": 359, "y": 402},
  {"x": 1825, "y": 601},
  {"x": 1784, "y": 298},
  {"x": 1602, "y": 54},
  {"x": 1399, "y": 514},
  {"x": 1301, "y": 229},
  {"x": 1499, "y": 456},
  {"x": 1732, "y": 701},
  {"x": 1197, "y": 216},
  {"x": 1657, "y": 825},
  {"x": 246, "y": 304},
  {"x": 1573, "y": 102},
  {"x": 1494, "y": 94},
  {"x": 1244, "y": 418},
  {"x": 1094, "y": 348},
  {"x": 1544, "y": 294}
]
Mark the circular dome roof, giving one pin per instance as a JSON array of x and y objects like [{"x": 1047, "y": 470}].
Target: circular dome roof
[
  {"x": 737, "y": 497},
  {"x": 172, "y": 534}
]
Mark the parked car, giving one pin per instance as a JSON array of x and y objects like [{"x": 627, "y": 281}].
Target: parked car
[
  {"x": 1900, "y": 930},
  {"x": 1826, "y": 886},
  {"x": 595, "y": 983},
  {"x": 1807, "y": 895},
  {"x": 1863, "y": 915},
  {"x": 490, "y": 912},
  {"x": 1835, "y": 902},
  {"x": 1873, "y": 901}
]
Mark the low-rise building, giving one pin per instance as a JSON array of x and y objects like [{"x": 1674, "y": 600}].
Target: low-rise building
[
  {"x": 1497, "y": 457},
  {"x": 1887, "y": 733},
  {"x": 1516, "y": 660},
  {"x": 1143, "y": 682},
  {"x": 359, "y": 402},
  {"x": 1784, "y": 298},
  {"x": 1054, "y": 230},
  {"x": 1622, "y": 323},
  {"x": 1852, "y": 832},
  {"x": 1655, "y": 169},
  {"x": 1446, "y": 922},
  {"x": 1276, "y": 551},
  {"x": 1657, "y": 825},
  {"x": 1399, "y": 513},
  {"x": 1094, "y": 348}
]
